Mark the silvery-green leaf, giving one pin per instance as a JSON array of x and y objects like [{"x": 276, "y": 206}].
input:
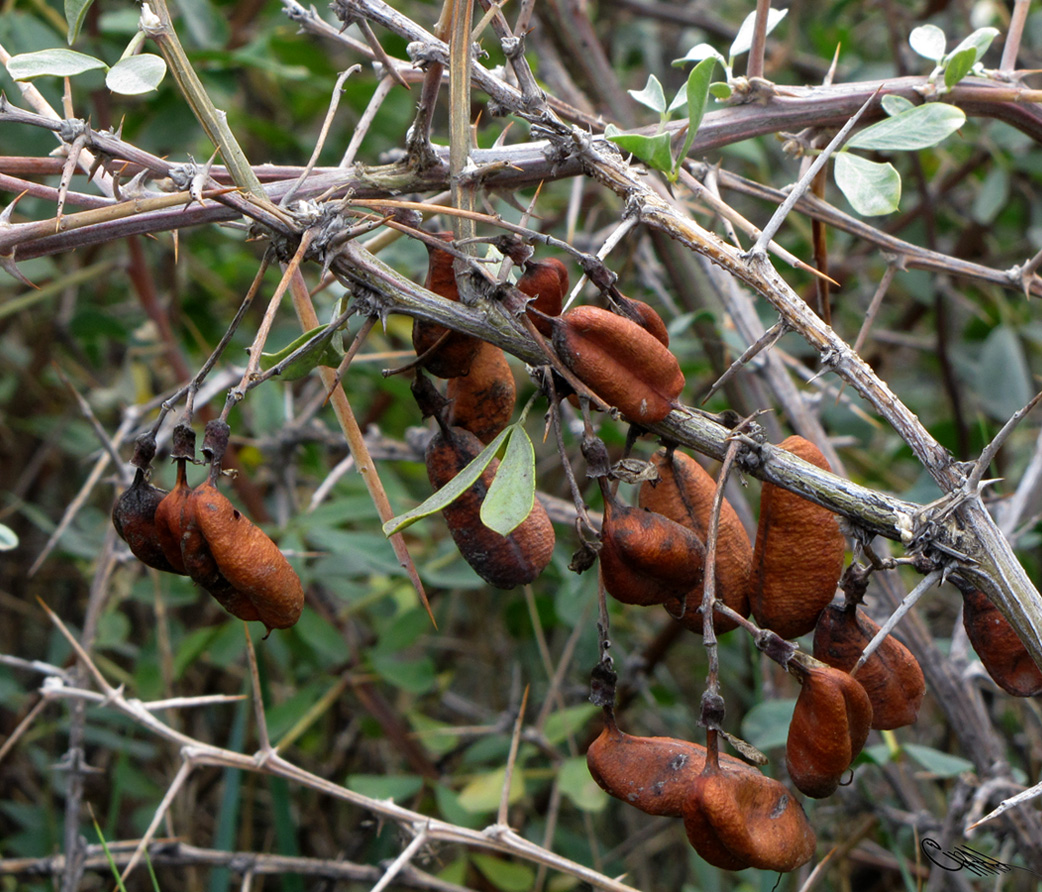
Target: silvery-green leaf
[
  {"x": 698, "y": 53},
  {"x": 652, "y": 150},
  {"x": 894, "y": 104},
  {"x": 698, "y": 83},
  {"x": 321, "y": 352},
  {"x": 511, "y": 496},
  {"x": 652, "y": 95},
  {"x": 958, "y": 66},
  {"x": 917, "y": 128},
  {"x": 53, "y": 62},
  {"x": 871, "y": 188},
  {"x": 8, "y": 538},
  {"x": 136, "y": 74},
  {"x": 75, "y": 13},
  {"x": 978, "y": 41},
  {"x": 928, "y": 41},
  {"x": 744, "y": 39}
]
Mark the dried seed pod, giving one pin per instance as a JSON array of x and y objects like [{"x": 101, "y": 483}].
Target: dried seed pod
[
  {"x": 684, "y": 493},
  {"x": 245, "y": 556},
  {"x": 134, "y": 517},
  {"x": 483, "y": 399},
  {"x": 736, "y": 817},
  {"x": 653, "y": 774},
  {"x": 645, "y": 316},
  {"x": 168, "y": 513},
  {"x": 891, "y": 676},
  {"x": 502, "y": 561},
  {"x": 649, "y": 559},
  {"x": 999, "y": 647},
  {"x": 546, "y": 282},
  {"x": 620, "y": 362},
  {"x": 453, "y": 351},
  {"x": 798, "y": 557},
  {"x": 830, "y": 725}
]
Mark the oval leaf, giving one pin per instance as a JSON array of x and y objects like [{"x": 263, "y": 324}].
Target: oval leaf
[
  {"x": 871, "y": 188},
  {"x": 937, "y": 763},
  {"x": 483, "y": 793},
  {"x": 451, "y": 490},
  {"x": 894, "y": 104},
  {"x": 652, "y": 150},
  {"x": 652, "y": 95},
  {"x": 574, "y": 779},
  {"x": 75, "y": 13},
  {"x": 136, "y": 74},
  {"x": 978, "y": 41},
  {"x": 55, "y": 62},
  {"x": 959, "y": 65},
  {"x": 928, "y": 41},
  {"x": 698, "y": 53},
  {"x": 507, "y": 876},
  {"x": 8, "y": 538},
  {"x": 917, "y": 128},
  {"x": 697, "y": 95},
  {"x": 512, "y": 494},
  {"x": 744, "y": 39},
  {"x": 313, "y": 348}
]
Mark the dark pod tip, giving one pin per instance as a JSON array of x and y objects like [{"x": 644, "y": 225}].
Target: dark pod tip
[
  {"x": 215, "y": 440},
  {"x": 183, "y": 442},
  {"x": 144, "y": 451}
]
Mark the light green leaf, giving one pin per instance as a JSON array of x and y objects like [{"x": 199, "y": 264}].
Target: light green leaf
[
  {"x": 75, "y": 13},
  {"x": 568, "y": 721},
  {"x": 8, "y": 538},
  {"x": 385, "y": 786},
  {"x": 697, "y": 95},
  {"x": 936, "y": 762},
  {"x": 512, "y": 494},
  {"x": 321, "y": 352},
  {"x": 451, "y": 490},
  {"x": 978, "y": 41},
  {"x": 54, "y": 62},
  {"x": 576, "y": 783},
  {"x": 509, "y": 876},
  {"x": 992, "y": 195},
  {"x": 744, "y": 39},
  {"x": 871, "y": 188},
  {"x": 413, "y": 676},
  {"x": 652, "y": 95},
  {"x": 136, "y": 74},
  {"x": 698, "y": 53},
  {"x": 894, "y": 104},
  {"x": 928, "y": 41},
  {"x": 483, "y": 793},
  {"x": 766, "y": 725},
  {"x": 918, "y": 128},
  {"x": 720, "y": 91},
  {"x": 652, "y": 150},
  {"x": 1003, "y": 379},
  {"x": 958, "y": 66}
]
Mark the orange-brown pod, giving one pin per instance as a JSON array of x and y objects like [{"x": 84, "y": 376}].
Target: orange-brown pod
[
  {"x": 798, "y": 557},
  {"x": 829, "y": 726},
  {"x": 736, "y": 817},
  {"x": 647, "y": 558},
  {"x": 619, "y": 361},
  {"x": 999, "y": 647},
  {"x": 168, "y": 520},
  {"x": 891, "y": 676},
  {"x": 502, "y": 561},
  {"x": 456, "y": 352},
  {"x": 646, "y": 317},
  {"x": 653, "y": 774},
  {"x": 134, "y": 517},
  {"x": 247, "y": 558},
  {"x": 546, "y": 282},
  {"x": 483, "y": 399},
  {"x": 684, "y": 493}
]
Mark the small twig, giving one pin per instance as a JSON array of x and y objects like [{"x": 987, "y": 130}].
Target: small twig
[
  {"x": 767, "y": 340},
  {"x": 380, "y": 93},
  {"x": 381, "y": 54},
  {"x": 182, "y": 775},
  {"x": 617, "y": 235},
  {"x": 508, "y": 775},
  {"x": 395, "y": 867},
  {"x": 754, "y": 67},
  {"x": 976, "y": 476},
  {"x": 1014, "y": 35},
  {"x": 931, "y": 579},
  {"x": 264, "y": 740}
]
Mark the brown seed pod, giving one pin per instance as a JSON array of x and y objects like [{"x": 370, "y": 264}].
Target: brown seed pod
[
  {"x": 830, "y": 725},
  {"x": 168, "y": 513},
  {"x": 684, "y": 493},
  {"x": 649, "y": 559},
  {"x": 546, "y": 282},
  {"x": 454, "y": 350},
  {"x": 653, "y": 774},
  {"x": 502, "y": 561},
  {"x": 736, "y": 817},
  {"x": 134, "y": 517},
  {"x": 483, "y": 399},
  {"x": 645, "y": 316},
  {"x": 620, "y": 362},
  {"x": 798, "y": 557},
  {"x": 999, "y": 647},
  {"x": 244, "y": 555},
  {"x": 891, "y": 677}
]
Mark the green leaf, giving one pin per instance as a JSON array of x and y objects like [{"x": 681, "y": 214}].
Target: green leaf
[
  {"x": 698, "y": 53},
  {"x": 652, "y": 95},
  {"x": 978, "y": 41},
  {"x": 894, "y": 104},
  {"x": 136, "y": 74},
  {"x": 744, "y": 39},
  {"x": 512, "y": 494},
  {"x": 568, "y": 721},
  {"x": 936, "y": 762},
  {"x": 928, "y": 41},
  {"x": 75, "y": 13},
  {"x": 766, "y": 725},
  {"x": 720, "y": 91},
  {"x": 509, "y": 876},
  {"x": 482, "y": 794},
  {"x": 413, "y": 676},
  {"x": 992, "y": 195},
  {"x": 451, "y": 490},
  {"x": 54, "y": 62},
  {"x": 8, "y": 538},
  {"x": 698, "y": 83},
  {"x": 871, "y": 188},
  {"x": 1003, "y": 379},
  {"x": 652, "y": 150},
  {"x": 958, "y": 66},
  {"x": 385, "y": 786},
  {"x": 576, "y": 783},
  {"x": 321, "y": 352},
  {"x": 918, "y": 128}
]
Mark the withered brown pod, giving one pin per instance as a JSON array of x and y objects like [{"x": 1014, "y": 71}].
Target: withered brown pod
[
  {"x": 168, "y": 519},
  {"x": 999, "y": 647},
  {"x": 684, "y": 493},
  {"x": 454, "y": 350},
  {"x": 798, "y": 557},
  {"x": 646, "y": 316},
  {"x": 647, "y": 558},
  {"x": 619, "y": 361},
  {"x": 134, "y": 517},
  {"x": 546, "y": 282},
  {"x": 891, "y": 676},
  {"x": 502, "y": 561},
  {"x": 736, "y": 817},
  {"x": 653, "y": 774},
  {"x": 829, "y": 726},
  {"x": 483, "y": 399}
]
